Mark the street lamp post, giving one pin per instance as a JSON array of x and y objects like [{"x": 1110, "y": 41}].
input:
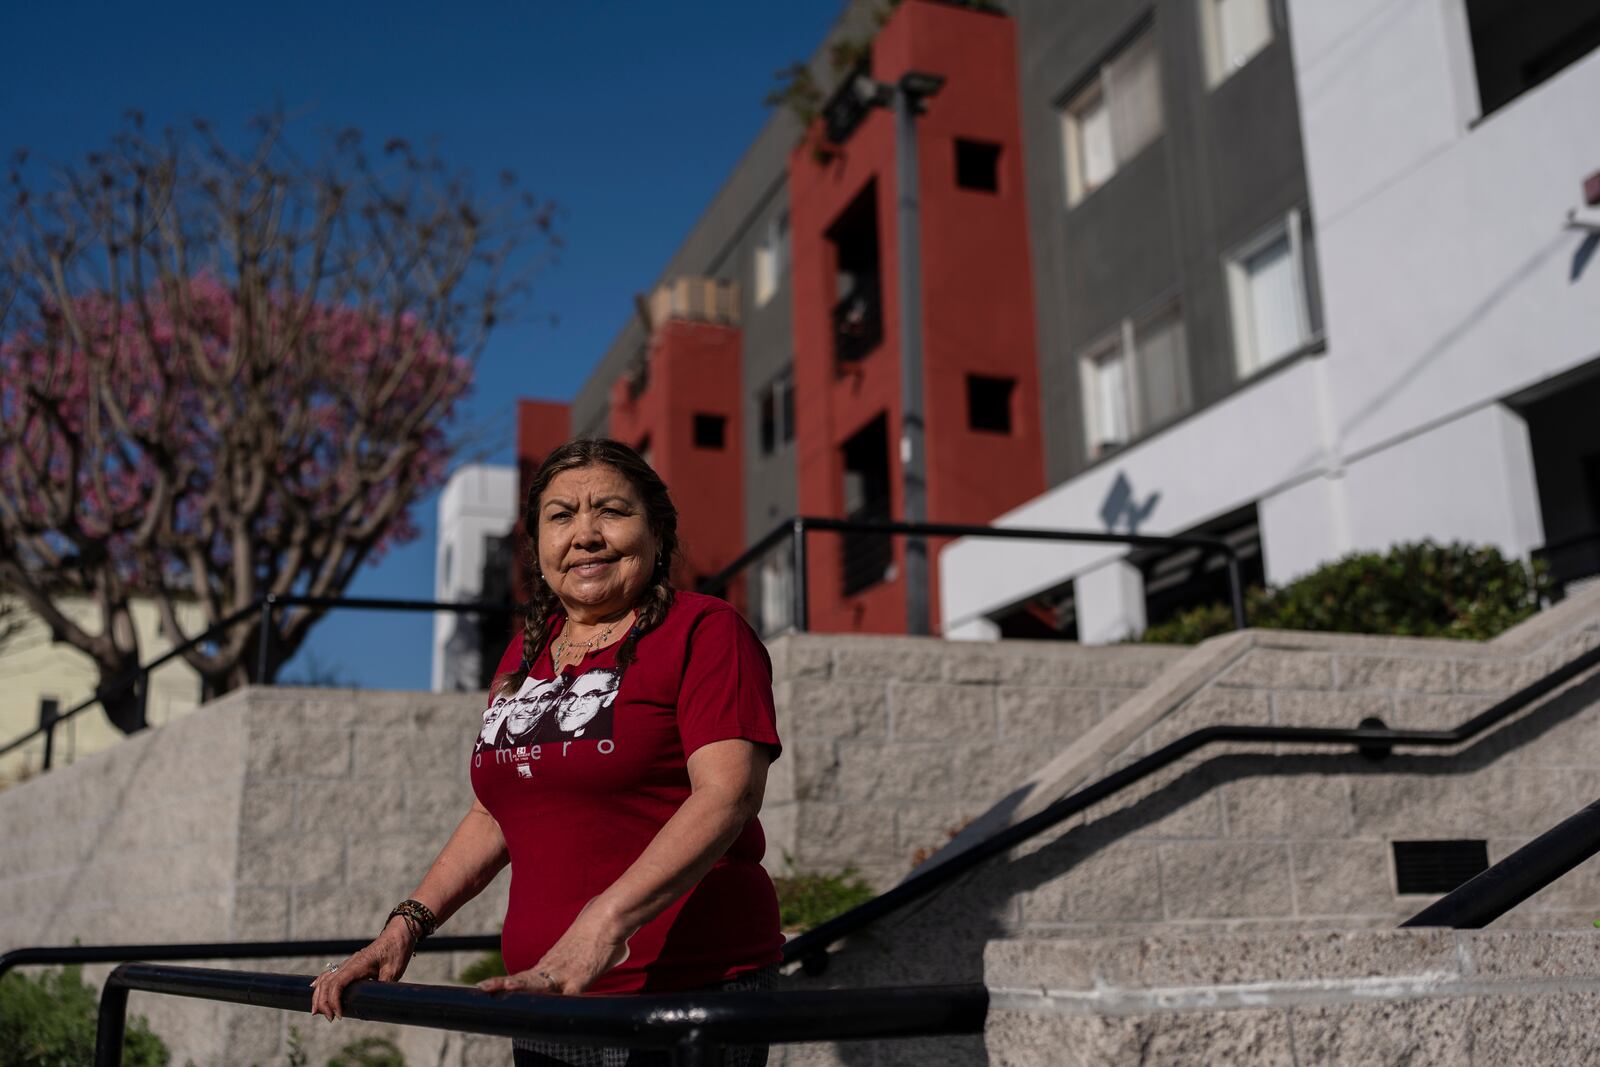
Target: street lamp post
[
  {"x": 842, "y": 115},
  {"x": 912, "y": 90}
]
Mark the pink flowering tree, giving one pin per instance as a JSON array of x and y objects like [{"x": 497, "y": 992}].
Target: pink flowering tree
[{"x": 224, "y": 375}]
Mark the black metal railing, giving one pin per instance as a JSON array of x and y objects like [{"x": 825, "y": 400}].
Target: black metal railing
[
  {"x": 261, "y": 611},
  {"x": 1371, "y": 737},
  {"x": 55, "y": 955},
  {"x": 695, "y": 1028},
  {"x": 1481, "y": 900},
  {"x": 794, "y": 530}
]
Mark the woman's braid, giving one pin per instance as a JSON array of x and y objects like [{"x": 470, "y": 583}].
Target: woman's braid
[{"x": 651, "y": 610}]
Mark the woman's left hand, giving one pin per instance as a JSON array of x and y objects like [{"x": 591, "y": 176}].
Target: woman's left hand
[{"x": 586, "y": 951}]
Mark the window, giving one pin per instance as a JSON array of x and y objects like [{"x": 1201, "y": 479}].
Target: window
[
  {"x": 776, "y": 403},
  {"x": 1107, "y": 122},
  {"x": 1135, "y": 380},
  {"x": 1233, "y": 32},
  {"x": 1163, "y": 368},
  {"x": 777, "y": 591},
  {"x": 989, "y": 403},
  {"x": 1267, "y": 288},
  {"x": 772, "y": 259},
  {"x": 1105, "y": 373},
  {"x": 978, "y": 165},
  {"x": 1517, "y": 45},
  {"x": 710, "y": 431}
]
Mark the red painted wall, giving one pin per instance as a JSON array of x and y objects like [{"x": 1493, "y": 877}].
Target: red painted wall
[
  {"x": 978, "y": 315},
  {"x": 694, "y": 370}
]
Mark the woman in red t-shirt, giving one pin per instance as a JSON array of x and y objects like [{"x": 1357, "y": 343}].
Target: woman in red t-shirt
[{"x": 619, "y": 769}]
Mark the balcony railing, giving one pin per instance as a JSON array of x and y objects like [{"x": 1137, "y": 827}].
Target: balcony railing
[{"x": 697, "y": 300}]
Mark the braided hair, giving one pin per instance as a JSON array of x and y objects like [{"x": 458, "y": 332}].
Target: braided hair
[{"x": 660, "y": 514}]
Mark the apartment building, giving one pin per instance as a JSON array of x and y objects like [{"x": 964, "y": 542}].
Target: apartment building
[
  {"x": 1394, "y": 336},
  {"x": 41, "y": 677},
  {"x": 1307, "y": 277},
  {"x": 761, "y": 376}
]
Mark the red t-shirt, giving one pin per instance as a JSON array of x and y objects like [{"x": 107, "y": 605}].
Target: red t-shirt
[{"x": 581, "y": 771}]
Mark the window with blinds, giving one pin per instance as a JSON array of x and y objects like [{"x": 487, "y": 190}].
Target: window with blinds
[
  {"x": 1112, "y": 118},
  {"x": 1267, "y": 289},
  {"x": 1136, "y": 379},
  {"x": 1232, "y": 32}
]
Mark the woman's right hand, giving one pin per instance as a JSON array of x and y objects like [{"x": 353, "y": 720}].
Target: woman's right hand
[{"x": 385, "y": 959}]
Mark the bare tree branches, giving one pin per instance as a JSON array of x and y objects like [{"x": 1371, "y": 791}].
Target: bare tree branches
[{"x": 229, "y": 371}]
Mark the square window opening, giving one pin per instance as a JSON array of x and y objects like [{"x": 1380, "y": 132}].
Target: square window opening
[
  {"x": 978, "y": 165},
  {"x": 989, "y": 403},
  {"x": 710, "y": 431}
]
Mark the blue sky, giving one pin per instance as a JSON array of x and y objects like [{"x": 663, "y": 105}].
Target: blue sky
[{"x": 628, "y": 115}]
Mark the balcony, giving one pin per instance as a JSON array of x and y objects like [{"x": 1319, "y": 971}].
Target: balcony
[
  {"x": 858, "y": 322},
  {"x": 712, "y": 300}
]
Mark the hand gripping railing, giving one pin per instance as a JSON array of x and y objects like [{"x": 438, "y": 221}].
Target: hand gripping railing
[
  {"x": 694, "y": 1027},
  {"x": 224, "y": 950},
  {"x": 811, "y": 947}
]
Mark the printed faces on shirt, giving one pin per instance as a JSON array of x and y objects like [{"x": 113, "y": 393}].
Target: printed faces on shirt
[{"x": 564, "y": 708}]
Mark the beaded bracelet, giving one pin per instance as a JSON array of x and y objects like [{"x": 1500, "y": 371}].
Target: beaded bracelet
[{"x": 417, "y": 915}]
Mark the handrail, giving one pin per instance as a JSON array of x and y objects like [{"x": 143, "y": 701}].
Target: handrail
[
  {"x": 795, "y": 527},
  {"x": 41, "y": 955},
  {"x": 1480, "y": 901},
  {"x": 263, "y": 606},
  {"x": 694, "y": 1027},
  {"x": 811, "y": 947}
]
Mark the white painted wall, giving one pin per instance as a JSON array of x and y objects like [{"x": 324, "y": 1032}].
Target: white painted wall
[
  {"x": 1446, "y": 262},
  {"x": 1260, "y": 440},
  {"x": 1470, "y": 479},
  {"x": 478, "y": 502},
  {"x": 1447, "y": 281}
]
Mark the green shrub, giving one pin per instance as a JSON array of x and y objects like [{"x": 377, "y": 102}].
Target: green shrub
[
  {"x": 1421, "y": 589},
  {"x": 369, "y": 1052},
  {"x": 807, "y": 900},
  {"x": 488, "y": 965},
  {"x": 1193, "y": 625},
  {"x": 49, "y": 1021}
]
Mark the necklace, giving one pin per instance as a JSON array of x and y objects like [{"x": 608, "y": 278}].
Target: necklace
[{"x": 564, "y": 644}]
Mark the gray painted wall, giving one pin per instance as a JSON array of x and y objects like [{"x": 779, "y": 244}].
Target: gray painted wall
[{"x": 1227, "y": 165}]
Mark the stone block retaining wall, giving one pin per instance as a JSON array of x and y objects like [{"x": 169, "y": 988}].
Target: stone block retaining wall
[
  {"x": 893, "y": 744},
  {"x": 1239, "y": 839},
  {"x": 270, "y": 814}
]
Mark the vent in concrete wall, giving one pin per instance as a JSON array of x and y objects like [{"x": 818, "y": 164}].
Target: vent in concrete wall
[{"x": 1438, "y": 866}]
